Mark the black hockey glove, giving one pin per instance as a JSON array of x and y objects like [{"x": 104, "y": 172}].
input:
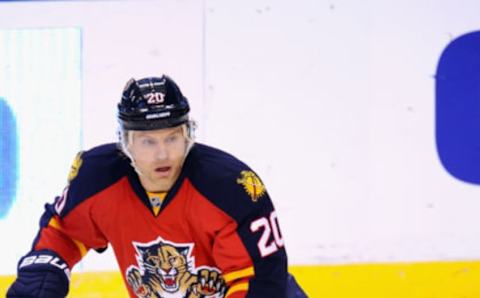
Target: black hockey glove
[{"x": 41, "y": 274}]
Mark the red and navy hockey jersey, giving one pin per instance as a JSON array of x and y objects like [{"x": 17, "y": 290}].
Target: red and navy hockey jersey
[{"x": 216, "y": 234}]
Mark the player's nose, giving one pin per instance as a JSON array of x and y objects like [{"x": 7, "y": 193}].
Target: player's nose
[{"x": 161, "y": 152}]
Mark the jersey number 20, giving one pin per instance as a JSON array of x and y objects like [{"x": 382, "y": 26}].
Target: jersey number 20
[{"x": 266, "y": 245}]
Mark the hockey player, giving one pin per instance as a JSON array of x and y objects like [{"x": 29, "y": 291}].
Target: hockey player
[{"x": 183, "y": 219}]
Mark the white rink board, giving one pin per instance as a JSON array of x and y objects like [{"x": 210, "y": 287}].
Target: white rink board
[{"x": 332, "y": 103}]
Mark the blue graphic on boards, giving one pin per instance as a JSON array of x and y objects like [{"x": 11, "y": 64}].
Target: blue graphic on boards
[
  {"x": 8, "y": 158},
  {"x": 458, "y": 108}
]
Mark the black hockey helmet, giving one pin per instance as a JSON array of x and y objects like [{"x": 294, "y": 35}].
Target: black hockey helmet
[{"x": 152, "y": 103}]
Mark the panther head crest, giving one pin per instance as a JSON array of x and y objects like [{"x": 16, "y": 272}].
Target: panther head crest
[{"x": 165, "y": 261}]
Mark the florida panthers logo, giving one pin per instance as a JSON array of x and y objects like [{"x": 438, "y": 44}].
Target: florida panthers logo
[
  {"x": 167, "y": 270},
  {"x": 252, "y": 185}
]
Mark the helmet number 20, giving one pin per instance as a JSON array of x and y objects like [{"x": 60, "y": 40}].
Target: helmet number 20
[
  {"x": 155, "y": 98},
  {"x": 266, "y": 245}
]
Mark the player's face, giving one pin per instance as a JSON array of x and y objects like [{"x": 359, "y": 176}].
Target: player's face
[{"x": 158, "y": 156}]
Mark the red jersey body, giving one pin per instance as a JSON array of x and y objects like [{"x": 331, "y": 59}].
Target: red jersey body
[{"x": 216, "y": 234}]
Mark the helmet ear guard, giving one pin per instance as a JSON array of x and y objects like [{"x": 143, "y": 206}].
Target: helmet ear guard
[{"x": 152, "y": 103}]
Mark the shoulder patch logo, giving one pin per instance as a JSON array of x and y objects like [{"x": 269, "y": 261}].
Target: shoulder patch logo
[
  {"x": 252, "y": 185},
  {"x": 77, "y": 163}
]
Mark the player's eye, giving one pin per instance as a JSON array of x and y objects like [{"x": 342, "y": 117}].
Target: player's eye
[
  {"x": 171, "y": 138},
  {"x": 148, "y": 142}
]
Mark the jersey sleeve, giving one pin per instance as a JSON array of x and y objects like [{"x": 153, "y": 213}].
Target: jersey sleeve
[
  {"x": 67, "y": 225},
  {"x": 55, "y": 235},
  {"x": 248, "y": 247}
]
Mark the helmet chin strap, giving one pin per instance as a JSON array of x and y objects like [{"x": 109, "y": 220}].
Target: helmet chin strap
[{"x": 132, "y": 161}]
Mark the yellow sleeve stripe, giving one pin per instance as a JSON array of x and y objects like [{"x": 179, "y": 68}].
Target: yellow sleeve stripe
[
  {"x": 54, "y": 223},
  {"x": 239, "y": 274},
  {"x": 237, "y": 288},
  {"x": 81, "y": 247}
]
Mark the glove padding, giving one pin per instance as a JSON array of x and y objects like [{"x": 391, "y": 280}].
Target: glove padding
[{"x": 41, "y": 274}]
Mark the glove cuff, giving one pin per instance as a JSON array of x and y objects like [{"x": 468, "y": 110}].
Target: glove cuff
[
  {"x": 44, "y": 260},
  {"x": 42, "y": 274}
]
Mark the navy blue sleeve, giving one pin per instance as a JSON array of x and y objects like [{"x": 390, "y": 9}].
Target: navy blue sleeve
[{"x": 237, "y": 190}]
